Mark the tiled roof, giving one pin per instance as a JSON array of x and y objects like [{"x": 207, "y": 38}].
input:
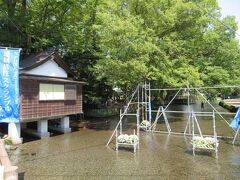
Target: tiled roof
[
  {"x": 37, "y": 59},
  {"x": 50, "y": 79}
]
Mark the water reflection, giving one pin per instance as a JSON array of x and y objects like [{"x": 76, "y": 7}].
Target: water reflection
[
  {"x": 83, "y": 154},
  {"x": 166, "y": 141}
]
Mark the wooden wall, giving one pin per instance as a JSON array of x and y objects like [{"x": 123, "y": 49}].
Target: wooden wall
[{"x": 32, "y": 109}]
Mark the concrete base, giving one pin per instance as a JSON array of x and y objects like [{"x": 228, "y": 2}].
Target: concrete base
[
  {"x": 14, "y": 133},
  {"x": 42, "y": 129}
]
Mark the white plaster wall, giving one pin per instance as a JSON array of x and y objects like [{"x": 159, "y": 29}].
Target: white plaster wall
[{"x": 49, "y": 68}]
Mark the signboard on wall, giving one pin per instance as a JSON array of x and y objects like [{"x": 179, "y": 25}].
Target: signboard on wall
[{"x": 9, "y": 85}]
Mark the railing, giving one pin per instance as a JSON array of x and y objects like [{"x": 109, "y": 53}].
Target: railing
[{"x": 9, "y": 171}]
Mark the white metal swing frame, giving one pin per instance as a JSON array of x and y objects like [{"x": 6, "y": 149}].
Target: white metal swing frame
[
  {"x": 195, "y": 121},
  {"x": 144, "y": 111},
  {"x": 141, "y": 105},
  {"x": 143, "y": 93}
]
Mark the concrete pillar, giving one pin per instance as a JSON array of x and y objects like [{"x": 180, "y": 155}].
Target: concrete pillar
[
  {"x": 64, "y": 124},
  {"x": 14, "y": 132},
  {"x": 42, "y": 128}
]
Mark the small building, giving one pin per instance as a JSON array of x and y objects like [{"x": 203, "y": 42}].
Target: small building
[{"x": 47, "y": 92}]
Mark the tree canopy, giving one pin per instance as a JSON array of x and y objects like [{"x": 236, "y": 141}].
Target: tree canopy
[{"x": 123, "y": 42}]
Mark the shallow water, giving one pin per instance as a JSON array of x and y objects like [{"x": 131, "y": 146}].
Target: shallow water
[{"x": 83, "y": 154}]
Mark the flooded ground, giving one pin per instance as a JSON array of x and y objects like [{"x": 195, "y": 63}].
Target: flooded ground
[{"x": 83, "y": 155}]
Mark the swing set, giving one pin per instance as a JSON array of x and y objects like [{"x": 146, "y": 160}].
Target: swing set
[{"x": 141, "y": 100}]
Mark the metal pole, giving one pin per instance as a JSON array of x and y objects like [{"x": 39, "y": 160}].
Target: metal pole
[
  {"x": 121, "y": 121},
  {"x": 149, "y": 104},
  {"x": 116, "y": 141},
  {"x": 188, "y": 122},
  {"x": 155, "y": 122},
  {"x": 188, "y": 91},
  {"x": 153, "y": 127},
  {"x": 213, "y": 108},
  {"x": 142, "y": 103},
  {"x": 192, "y": 118},
  {"x": 237, "y": 133},
  {"x": 166, "y": 121},
  {"x": 197, "y": 112},
  {"x": 145, "y": 101},
  {"x": 138, "y": 94},
  {"x": 138, "y": 123},
  {"x": 207, "y": 87},
  {"x": 215, "y": 134},
  {"x": 199, "y": 129},
  {"x": 125, "y": 110},
  {"x": 138, "y": 126},
  {"x": 181, "y": 133}
]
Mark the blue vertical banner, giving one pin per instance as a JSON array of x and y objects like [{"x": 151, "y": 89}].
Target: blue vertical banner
[
  {"x": 9, "y": 85},
  {"x": 236, "y": 120}
]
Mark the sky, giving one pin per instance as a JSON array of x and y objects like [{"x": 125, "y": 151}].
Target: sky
[{"x": 231, "y": 7}]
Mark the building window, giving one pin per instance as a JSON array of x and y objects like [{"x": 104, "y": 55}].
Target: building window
[
  {"x": 51, "y": 92},
  {"x": 70, "y": 92}
]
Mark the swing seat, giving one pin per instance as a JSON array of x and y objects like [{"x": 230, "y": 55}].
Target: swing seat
[
  {"x": 205, "y": 142},
  {"x": 125, "y": 140},
  {"x": 145, "y": 125}
]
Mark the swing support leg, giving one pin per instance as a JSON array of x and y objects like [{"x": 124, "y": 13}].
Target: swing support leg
[
  {"x": 237, "y": 133},
  {"x": 116, "y": 140},
  {"x": 188, "y": 125},
  {"x": 192, "y": 119}
]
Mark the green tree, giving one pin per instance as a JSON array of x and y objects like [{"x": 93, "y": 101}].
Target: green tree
[{"x": 121, "y": 43}]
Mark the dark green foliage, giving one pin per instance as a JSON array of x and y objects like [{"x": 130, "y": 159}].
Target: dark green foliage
[
  {"x": 120, "y": 43},
  {"x": 8, "y": 141}
]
